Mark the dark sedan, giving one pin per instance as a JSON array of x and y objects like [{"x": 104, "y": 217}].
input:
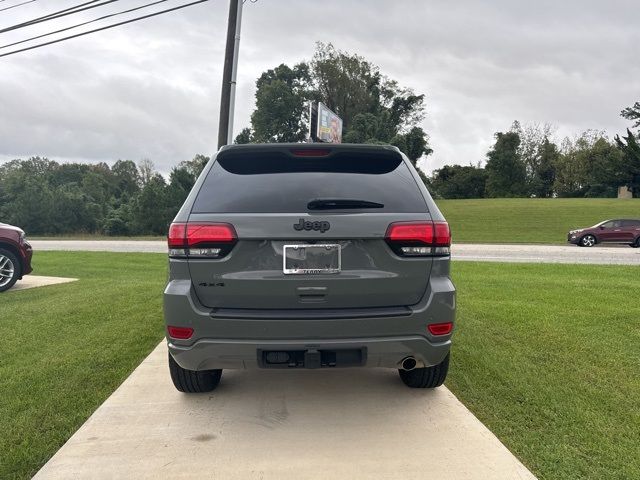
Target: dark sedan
[
  {"x": 625, "y": 231},
  {"x": 15, "y": 256}
]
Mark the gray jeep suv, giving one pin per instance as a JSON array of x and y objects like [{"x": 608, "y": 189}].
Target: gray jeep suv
[{"x": 308, "y": 256}]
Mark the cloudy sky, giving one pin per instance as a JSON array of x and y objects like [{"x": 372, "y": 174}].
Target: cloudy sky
[{"x": 152, "y": 89}]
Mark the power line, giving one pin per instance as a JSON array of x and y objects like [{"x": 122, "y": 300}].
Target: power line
[
  {"x": 104, "y": 28},
  {"x": 16, "y": 5},
  {"x": 35, "y": 20},
  {"x": 58, "y": 14},
  {"x": 83, "y": 23},
  {"x": 45, "y": 16}
]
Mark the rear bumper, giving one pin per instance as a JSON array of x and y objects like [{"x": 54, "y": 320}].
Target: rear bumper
[{"x": 208, "y": 354}]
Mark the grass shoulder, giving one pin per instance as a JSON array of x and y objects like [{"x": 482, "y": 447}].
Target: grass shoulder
[{"x": 546, "y": 356}]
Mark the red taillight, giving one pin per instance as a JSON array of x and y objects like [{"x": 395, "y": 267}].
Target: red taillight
[
  {"x": 213, "y": 240},
  {"x": 177, "y": 235},
  {"x": 442, "y": 234},
  {"x": 419, "y": 239},
  {"x": 413, "y": 232},
  {"x": 311, "y": 152},
  {"x": 180, "y": 333},
  {"x": 209, "y": 233},
  {"x": 440, "y": 328}
]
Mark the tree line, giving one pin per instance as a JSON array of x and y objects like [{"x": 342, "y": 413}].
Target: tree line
[
  {"x": 526, "y": 162},
  {"x": 45, "y": 197}
]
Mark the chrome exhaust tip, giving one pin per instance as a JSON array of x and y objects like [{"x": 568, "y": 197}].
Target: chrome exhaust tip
[{"x": 408, "y": 363}]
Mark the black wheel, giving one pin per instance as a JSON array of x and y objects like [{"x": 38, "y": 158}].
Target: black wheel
[
  {"x": 588, "y": 241},
  {"x": 637, "y": 243},
  {"x": 10, "y": 269},
  {"x": 190, "y": 381},
  {"x": 429, "y": 377}
]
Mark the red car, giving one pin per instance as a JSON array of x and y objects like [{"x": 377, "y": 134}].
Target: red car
[
  {"x": 15, "y": 256},
  {"x": 625, "y": 231}
]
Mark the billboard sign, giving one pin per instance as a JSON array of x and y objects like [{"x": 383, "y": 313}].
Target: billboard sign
[{"x": 329, "y": 125}]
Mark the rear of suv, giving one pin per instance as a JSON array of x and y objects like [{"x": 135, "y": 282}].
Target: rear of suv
[{"x": 308, "y": 256}]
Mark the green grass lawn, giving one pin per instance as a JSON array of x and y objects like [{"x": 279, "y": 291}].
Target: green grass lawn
[
  {"x": 546, "y": 356},
  {"x": 67, "y": 347},
  {"x": 530, "y": 220}
]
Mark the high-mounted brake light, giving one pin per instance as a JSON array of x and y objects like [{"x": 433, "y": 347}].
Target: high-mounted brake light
[
  {"x": 201, "y": 240},
  {"x": 311, "y": 152},
  {"x": 419, "y": 239}
]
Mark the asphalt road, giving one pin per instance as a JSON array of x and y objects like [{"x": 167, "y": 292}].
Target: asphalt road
[
  {"x": 599, "y": 255},
  {"x": 608, "y": 255}
]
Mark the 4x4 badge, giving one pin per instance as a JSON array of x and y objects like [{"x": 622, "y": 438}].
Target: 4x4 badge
[{"x": 307, "y": 225}]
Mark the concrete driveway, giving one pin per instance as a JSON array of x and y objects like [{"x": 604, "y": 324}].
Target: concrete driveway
[
  {"x": 461, "y": 251},
  {"x": 272, "y": 424},
  {"x": 34, "y": 281}
]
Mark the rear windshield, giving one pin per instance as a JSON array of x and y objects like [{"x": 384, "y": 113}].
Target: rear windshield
[{"x": 278, "y": 183}]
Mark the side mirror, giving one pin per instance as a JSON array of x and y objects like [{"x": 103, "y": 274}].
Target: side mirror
[{"x": 601, "y": 227}]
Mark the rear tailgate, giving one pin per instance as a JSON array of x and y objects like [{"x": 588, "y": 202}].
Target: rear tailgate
[
  {"x": 252, "y": 276},
  {"x": 268, "y": 193}
]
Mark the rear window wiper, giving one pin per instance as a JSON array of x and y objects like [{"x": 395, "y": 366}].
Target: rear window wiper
[{"x": 341, "y": 203}]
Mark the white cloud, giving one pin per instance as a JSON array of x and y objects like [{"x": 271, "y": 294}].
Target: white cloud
[{"x": 152, "y": 89}]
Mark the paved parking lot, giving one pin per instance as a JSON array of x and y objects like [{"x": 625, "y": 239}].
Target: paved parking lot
[{"x": 275, "y": 424}]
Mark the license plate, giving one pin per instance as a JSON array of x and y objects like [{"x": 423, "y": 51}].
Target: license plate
[{"x": 311, "y": 259}]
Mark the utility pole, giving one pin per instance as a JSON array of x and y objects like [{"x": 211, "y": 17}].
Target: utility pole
[{"x": 229, "y": 75}]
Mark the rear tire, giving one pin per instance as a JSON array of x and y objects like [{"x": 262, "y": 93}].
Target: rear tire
[
  {"x": 10, "y": 269},
  {"x": 429, "y": 377},
  {"x": 190, "y": 381},
  {"x": 636, "y": 244},
  {"x": 588, "y": 241}
]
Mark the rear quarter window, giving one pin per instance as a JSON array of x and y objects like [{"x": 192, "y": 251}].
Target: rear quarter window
[{"x": 275, "y": 182}]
